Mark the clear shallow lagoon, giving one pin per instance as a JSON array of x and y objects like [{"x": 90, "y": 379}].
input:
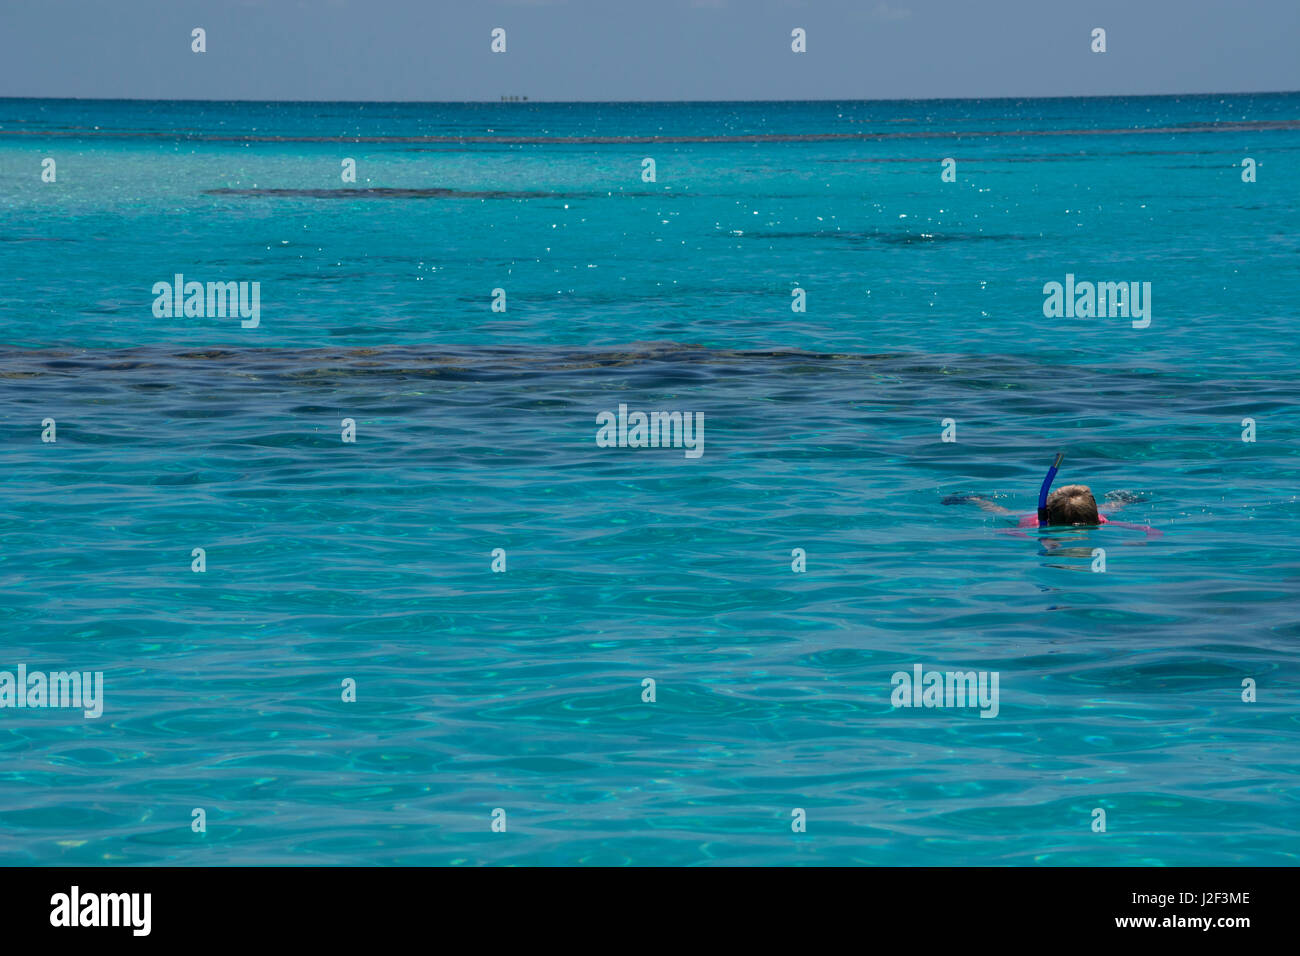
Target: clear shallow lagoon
[{"x": 476, "y": 430}]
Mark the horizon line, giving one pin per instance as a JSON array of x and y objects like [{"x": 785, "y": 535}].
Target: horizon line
[{"x": 517, "y": 102}]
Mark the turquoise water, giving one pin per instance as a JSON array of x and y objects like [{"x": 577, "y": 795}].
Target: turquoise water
[{"x": 476, "y": 430}]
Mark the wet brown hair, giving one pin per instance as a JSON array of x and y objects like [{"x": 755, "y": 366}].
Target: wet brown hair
[{"x": 1072, "y": 504}]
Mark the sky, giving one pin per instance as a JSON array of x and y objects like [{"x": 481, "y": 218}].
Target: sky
[{"x": 615, "y": 50}]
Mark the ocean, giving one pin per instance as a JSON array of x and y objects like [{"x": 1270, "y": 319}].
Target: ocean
[{"x": 461, "y": 631}]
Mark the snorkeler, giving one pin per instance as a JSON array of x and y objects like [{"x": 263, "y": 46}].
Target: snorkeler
[{"x": 1072, "y": 505}]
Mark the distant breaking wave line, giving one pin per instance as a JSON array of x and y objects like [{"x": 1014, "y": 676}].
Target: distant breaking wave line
[{"x": 388, "y": 192}]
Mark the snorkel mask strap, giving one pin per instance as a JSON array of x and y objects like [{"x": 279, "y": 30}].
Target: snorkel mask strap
[{"x": 1046, "y": 487}]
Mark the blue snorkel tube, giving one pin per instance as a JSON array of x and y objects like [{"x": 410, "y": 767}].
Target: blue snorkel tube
[{"x": 1046, "y": 487}]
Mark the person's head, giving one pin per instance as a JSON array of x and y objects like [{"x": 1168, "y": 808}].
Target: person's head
[{"x": 1072, "y": 504}]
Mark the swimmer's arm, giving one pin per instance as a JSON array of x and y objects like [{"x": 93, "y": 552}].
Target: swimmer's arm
[
  {"x": 1113, "y": 502},
  {"x": 977, "y": 500}
]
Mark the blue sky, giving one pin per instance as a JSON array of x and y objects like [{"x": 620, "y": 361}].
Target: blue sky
[{"x": 652, "y": 50}]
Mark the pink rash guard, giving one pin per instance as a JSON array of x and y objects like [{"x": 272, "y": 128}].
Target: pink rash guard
[{"x": 1031, "y": 521}]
